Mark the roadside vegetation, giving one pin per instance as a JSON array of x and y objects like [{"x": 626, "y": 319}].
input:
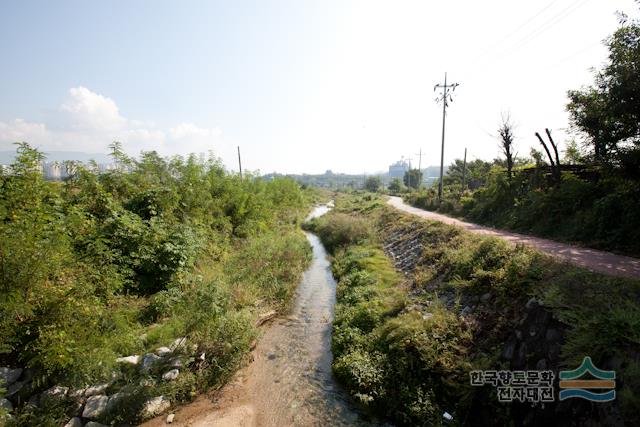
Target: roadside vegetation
[
  {"x": 420, "y": 304},
  {"x": 587, "y": 191},
  {"x": 108, "y": 265}
]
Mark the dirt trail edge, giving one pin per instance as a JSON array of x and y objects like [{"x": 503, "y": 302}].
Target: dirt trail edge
[{"x": 592, "y": 259}]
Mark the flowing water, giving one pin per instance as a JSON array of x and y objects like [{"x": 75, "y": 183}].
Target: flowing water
[{"x": 290, "y": 382}]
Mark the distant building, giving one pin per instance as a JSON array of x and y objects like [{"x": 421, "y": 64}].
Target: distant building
[{"x": 398, "y": 169}]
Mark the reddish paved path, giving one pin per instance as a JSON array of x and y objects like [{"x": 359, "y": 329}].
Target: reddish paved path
[{"x": 603, "y": 262}]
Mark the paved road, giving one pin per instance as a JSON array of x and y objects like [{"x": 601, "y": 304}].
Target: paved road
[{"x": 603, "y": 262}]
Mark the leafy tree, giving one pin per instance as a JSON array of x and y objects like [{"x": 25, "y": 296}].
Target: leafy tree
[
  {"x": 608, "y": 112},
  {"x": 373, "y": 184},
  {"x": 572, "y": 154},
  {"x": 476, "y": 175},
  {"x": 395, "y": 186},
  {"x": 413, "y": 178}
]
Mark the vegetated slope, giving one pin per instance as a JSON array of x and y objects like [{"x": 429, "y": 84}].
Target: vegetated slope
[
  {"x": 406, "y": 338},
  {"x": 166, "y": 262}
]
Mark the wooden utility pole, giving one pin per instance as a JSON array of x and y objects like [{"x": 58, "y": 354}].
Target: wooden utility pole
[
  {"x": 464, "y": 169},
  {"x": 239, "y": 162},
  {"x": 445, "y": 98},
  {"x": 419, "y": 167}
]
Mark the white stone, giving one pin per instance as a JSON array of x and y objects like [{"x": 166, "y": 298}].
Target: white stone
[
  {"x": 163, "y": 351},
  {"x": 96, "y": 389},
  {"x": 95, "y": 406},
  {"x": 131, "y": 360},
  {"x": 178, "y": 343},
  {"x": 170, "y": 418},
  {"x": 74, "y": 422},
  {"x": 170, "y": 375},
  {"x": 56, "y": 391},
  {"x": 155, "y": 406},
  {"x": 94, "y": 424}
]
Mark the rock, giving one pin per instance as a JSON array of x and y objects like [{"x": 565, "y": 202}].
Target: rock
[
  {"x": 9, "y": 376},
  {"x": 77, "y": 393},
  {"x": 149, "y": 360},
  {"x": 175, "y": 362},
  {"x": 131, "y": 360},
  {"x": 553, "y": 335},
  {"x": 6, "y": 404},
  {"x": 265, "y": 317},
  {"x": 170, "y": 375},
  {"x": 155, "y": 406},
  {"x": 271, "y": 356},
  {"x": 509, "y": 349},
  {"x": 613, "y": 363},
  {"x": 15, "y": 389},
  {"x": 95, "y": 406},
  {"x": 541, "y": 365},
  {"x": 96, "y": 389},
  {"x": 531, "y": 303},
  {"x": 486, "y": 297},
  {"x": 466, "y": 311},
  {"x": 178, "y": 343},
  {"x": 202, "y": 357},
  {"x": 94, "y": 424},
  {"x": 34, "y": 400},
  {"x": 427, "y": 316},
  {"x": 147, "y": 382},
  {"x": 170, "y": 418},
  {"x": 55, "y": 392},
  {"x": 74, "y": 422},
  {"x": 114, "y": 400},
  {"x": 163, "y": 351}
]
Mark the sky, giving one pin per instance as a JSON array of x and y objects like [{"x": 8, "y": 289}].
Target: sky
[{"x": 298, "y": 85}]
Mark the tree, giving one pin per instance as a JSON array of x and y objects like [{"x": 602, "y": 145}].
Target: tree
[
  {"x": 507, "y": 140},
  {"x": 572, "y": 153},
  {"x": 476, "y": 176},
  {"x": 608, "y": 112},
  {"x": 373, "y": 183},
  {"x": 395, "y": 186},
  {"x": 413, "y": 178}
]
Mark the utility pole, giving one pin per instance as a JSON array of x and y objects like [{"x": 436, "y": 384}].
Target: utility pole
[
  {"x": 464, "y": 169},
  {"x": 239, "y": 162},
  {"x": 420, "y": 167},
  {"x": 445, "y": 98}
]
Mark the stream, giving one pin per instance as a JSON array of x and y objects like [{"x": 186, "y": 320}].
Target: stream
[{"x": 289, "y": 382}]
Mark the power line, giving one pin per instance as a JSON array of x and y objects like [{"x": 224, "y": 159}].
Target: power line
[
  {"x": 521, "y": 26},
  {"x": 549, "y": 24}
]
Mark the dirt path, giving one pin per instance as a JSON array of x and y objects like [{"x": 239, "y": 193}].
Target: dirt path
[
  {"x": 289, "y": 382},
  {"x": 592, "y": 259}
]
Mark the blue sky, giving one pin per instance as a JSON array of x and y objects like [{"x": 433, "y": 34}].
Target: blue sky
[{"x": 301, "y": 86}]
